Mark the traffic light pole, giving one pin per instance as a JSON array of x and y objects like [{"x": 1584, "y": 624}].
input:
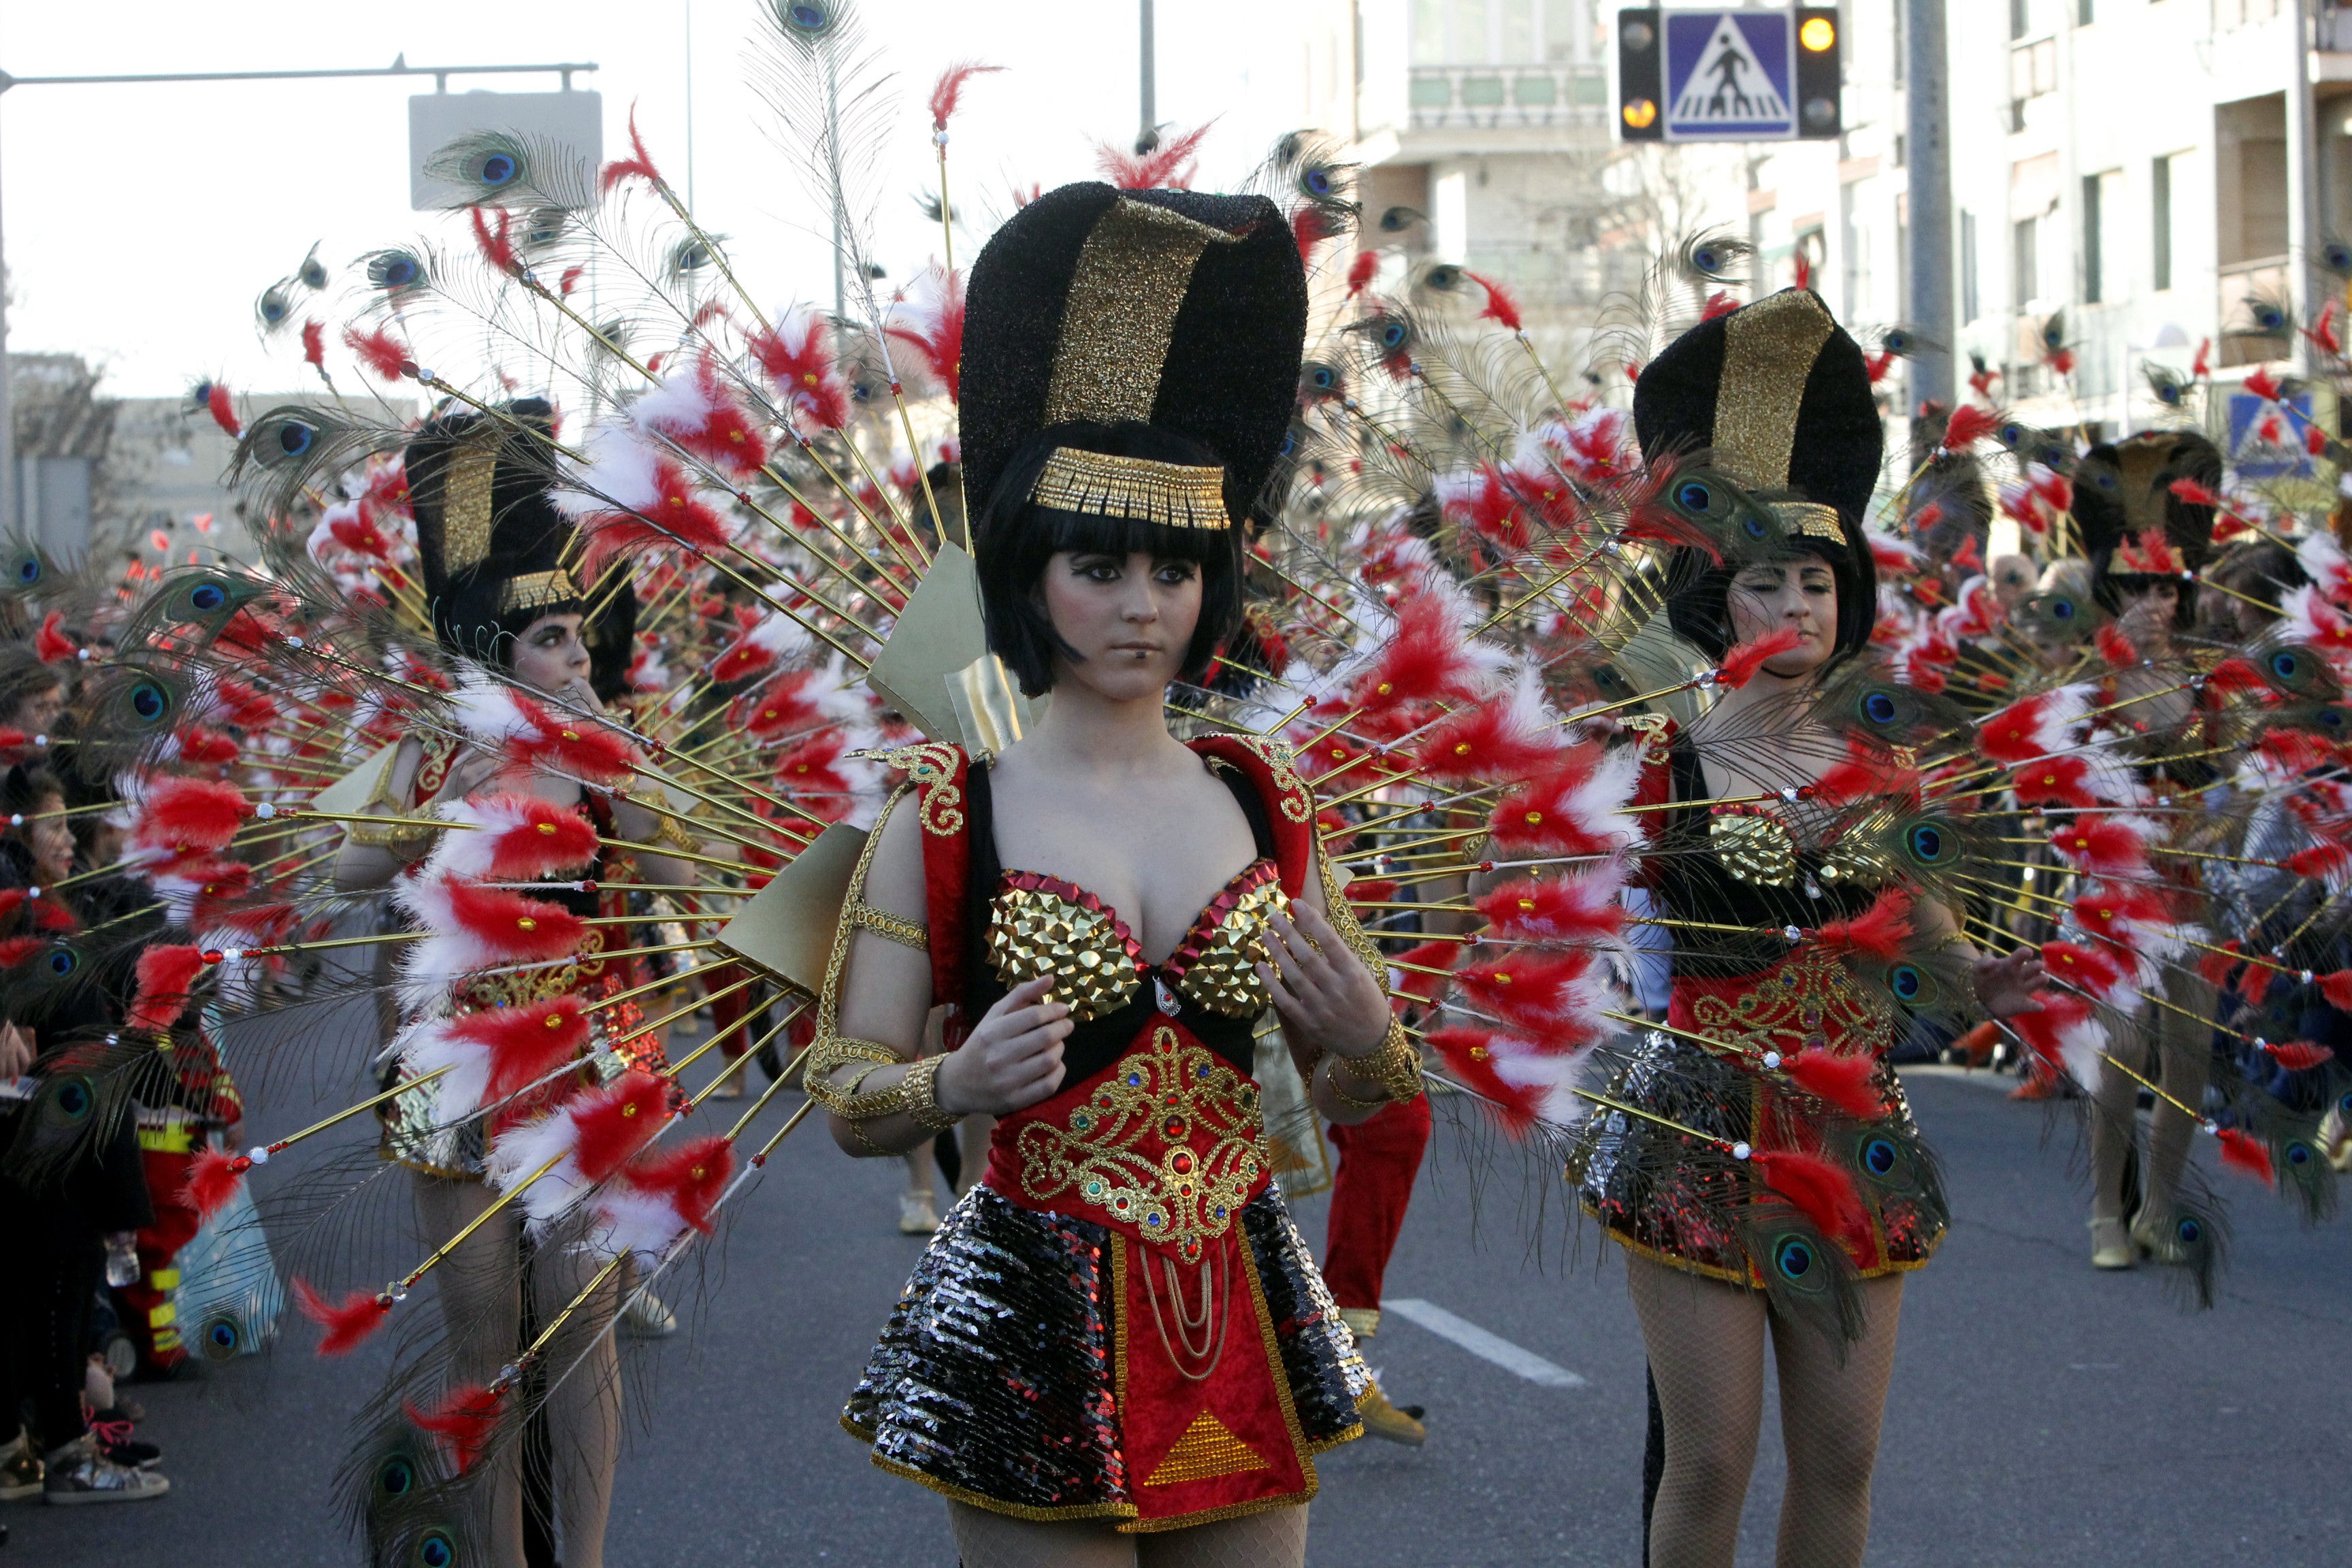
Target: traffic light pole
[{"x": 1927, "y": 153}]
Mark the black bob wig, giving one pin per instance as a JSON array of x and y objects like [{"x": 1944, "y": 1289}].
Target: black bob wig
[{"x": 1016, "y": 538}]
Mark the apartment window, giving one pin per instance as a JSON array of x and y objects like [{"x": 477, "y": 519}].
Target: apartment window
[
  {"x": 1564, "y": 35},
  {"x": 2021, "y": 19},
  {"x": 1519, "y": 21},
  {"x": 2084, "y": 10},
  {"x": 2159, "y": 249},
  {"x": 1971, "y": 303},
  {"x": 2025, "y": 260},
  {"x": 1429, "y": 33},
  {"x": 2102, "y": 201}
]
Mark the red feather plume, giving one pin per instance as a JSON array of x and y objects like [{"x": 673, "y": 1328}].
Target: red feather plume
[
  {"x": 378, "y": 350},
  {"x": 1562, "y": 908},
  {"x": 1500, "y": 306},
  {"x": 1879, "y": 930},
  {"x": 189, "y": 814},
  {"x": 360, "y": 1314},
  {"x": 1819, "y": 1189},
  {"x": 2102, "y": 848},
  {"x": 1169, "y": 164},
  {"x": 222, "y": 408},
  {"x": 1968, "y": 426},
  {"x": 464, "y": 1420},
  {"x": 947, "y": 93},
  {"x": 1361, "y": 270},
  {"x": 51, "y": 644},
  {"x": 497, "y": 244},
  {"x": 15, "y": 950},
  {"x": 525, "y": 1043},
  {"x": 1534, "y": 994},
  {"x": 2245, "y": 1152},
  {"x": 2300, "y": 1055},
  {"x": 639, "y": 166},
  {"x": 1469, "y": 1060},
  {"x": 691, "y": 1176},
  {"x": 616, "y": 1121},
  {"x": 2337, "y": 988},
  {"x": 1486, "y": 743},
  {"x": 1741, "y": 663},
  {"x": 213, "y": 1180},
  {"x": 515, "y": 929},
  {"x": 314, "y": 345},
  {"x": 1844, "y": 1079},
  {"x": 165, "y": 972}
]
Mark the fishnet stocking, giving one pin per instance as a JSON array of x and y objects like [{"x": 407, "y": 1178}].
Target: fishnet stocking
[
  {"x": 481, "y": 1304},
  {"x": 1274, "y": 1538},
  {"x": 2183, "y": 1049},
  {"x": 1706, "y": 1341}
]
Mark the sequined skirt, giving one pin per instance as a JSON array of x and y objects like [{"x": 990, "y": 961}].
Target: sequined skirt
[
  {"x": 1678, "y": 1201},
  {"x": 994, "y": 1382}
]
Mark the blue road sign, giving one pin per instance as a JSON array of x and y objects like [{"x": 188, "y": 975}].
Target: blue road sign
[
  {"x": 1730, "y": 76},
  {"x": 2266, "y": 440}
]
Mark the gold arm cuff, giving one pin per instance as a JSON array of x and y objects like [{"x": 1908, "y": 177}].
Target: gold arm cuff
[
  {"x": 670, "y": 831},
  {"x": 1395, "y": 1068},
  {"x": 884, "y": 924},
  {"x": 913, "y": 1093}
]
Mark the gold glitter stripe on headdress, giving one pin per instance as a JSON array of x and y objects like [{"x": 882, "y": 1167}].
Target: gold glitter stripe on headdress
[
  {"x": 1130, "y": 281},
  {"x": 1810, "y": 518},
  {"x": 534, "y": 589},
  {"x": 1174, "y": 495},
  {"x": 1769, "y": 350},
  {"x": 465, "y": 498}
]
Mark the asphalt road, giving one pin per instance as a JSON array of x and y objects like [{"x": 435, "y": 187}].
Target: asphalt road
[{"x": 2041, "y": 1413}]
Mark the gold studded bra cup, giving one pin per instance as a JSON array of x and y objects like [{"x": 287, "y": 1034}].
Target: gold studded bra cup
[{"x": 1042, "y": 925}]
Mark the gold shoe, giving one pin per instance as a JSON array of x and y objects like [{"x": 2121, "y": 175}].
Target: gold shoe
[
  {"x": 916, "y": 1215},
  {"x": 1382, "y": 1419},
  {"x": 2156, "y": 1241},
  {"x": 2111, "y": 1244}
]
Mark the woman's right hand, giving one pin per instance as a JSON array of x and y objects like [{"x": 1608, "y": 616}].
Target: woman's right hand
[{"x": 1012, "y": 1058}]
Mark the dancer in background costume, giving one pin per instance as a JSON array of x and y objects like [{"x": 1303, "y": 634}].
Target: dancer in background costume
[
  {"x": 1119, "y": 1329},
  {"x": 495, "y": 552},
  {"x": 1781, "y": 396}
]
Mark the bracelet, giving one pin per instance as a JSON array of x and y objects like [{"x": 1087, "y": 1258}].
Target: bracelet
[
  {"x": 914, "y": 1094},
  {"x": 669, "y": 832},
  {"x": 1395, "y": 1068},
  {"x": 921, "y": 1087}
]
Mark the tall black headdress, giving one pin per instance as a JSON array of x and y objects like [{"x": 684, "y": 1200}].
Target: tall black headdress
[
  {"x": 1177, "y": 310},
  {"x": 496, "y": 552},
  {"x": 2136, "y": 530},
  {"x": 1130, "y": 368},
  {"x": 1778, "y": 397}
]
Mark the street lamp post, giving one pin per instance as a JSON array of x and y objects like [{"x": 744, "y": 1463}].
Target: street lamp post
[
  {"x": 399, "y": 66},
  {"x": 1928, "y": 152}
]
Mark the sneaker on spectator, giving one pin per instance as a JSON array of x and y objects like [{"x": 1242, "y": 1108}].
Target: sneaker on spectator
[
  {"x": 117, "y": 1443},
  {"x": 20, "y": 1469},
  {"x": 78, "y": 1473}
]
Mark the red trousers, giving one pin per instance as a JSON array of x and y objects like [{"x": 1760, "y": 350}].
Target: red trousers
[
  {"x": 727, "y": 1012},
  {"x": 147, "y": 1316},
  {"x": 1378, "y": 1159}
]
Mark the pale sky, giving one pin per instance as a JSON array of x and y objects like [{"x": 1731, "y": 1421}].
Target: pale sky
[{"x": 140, "y": 222}]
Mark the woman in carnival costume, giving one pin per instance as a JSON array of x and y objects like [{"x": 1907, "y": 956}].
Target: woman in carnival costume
[
  {"x": 497, "y": 560},
  {"x": 1765, "y": 867},
  {"x": 1119, "y": 1329}
]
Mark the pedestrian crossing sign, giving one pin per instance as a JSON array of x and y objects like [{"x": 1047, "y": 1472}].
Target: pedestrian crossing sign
[{"x": 1730, "y": 76}]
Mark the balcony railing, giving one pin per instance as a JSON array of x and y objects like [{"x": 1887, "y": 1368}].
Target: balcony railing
[{"x": 1483, "y": 97}]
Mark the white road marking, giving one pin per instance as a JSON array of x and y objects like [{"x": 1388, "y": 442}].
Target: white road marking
[{"x": 1485, "y": 1346}]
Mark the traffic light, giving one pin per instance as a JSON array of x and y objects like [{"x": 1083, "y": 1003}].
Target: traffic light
[
  {"x": 1727, "y": 76},
  {"x": 1819, "y": 74},
  {"x": 1641, "y": 81}
]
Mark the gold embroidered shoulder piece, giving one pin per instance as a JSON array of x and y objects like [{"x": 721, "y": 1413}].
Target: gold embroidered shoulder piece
[{"x": 1296, "y": 804}]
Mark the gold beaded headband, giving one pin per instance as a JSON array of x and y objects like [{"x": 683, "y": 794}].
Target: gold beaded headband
[
  {"x": 534, "y": 589},
  {"x": 1811, "y": 518},
  {"x": 1174, "y": 495}
]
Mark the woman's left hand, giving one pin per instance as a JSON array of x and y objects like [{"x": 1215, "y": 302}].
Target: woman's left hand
[
  {"x": 1328, "y": 999},
  {"x": 2006, "y": 986}
]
